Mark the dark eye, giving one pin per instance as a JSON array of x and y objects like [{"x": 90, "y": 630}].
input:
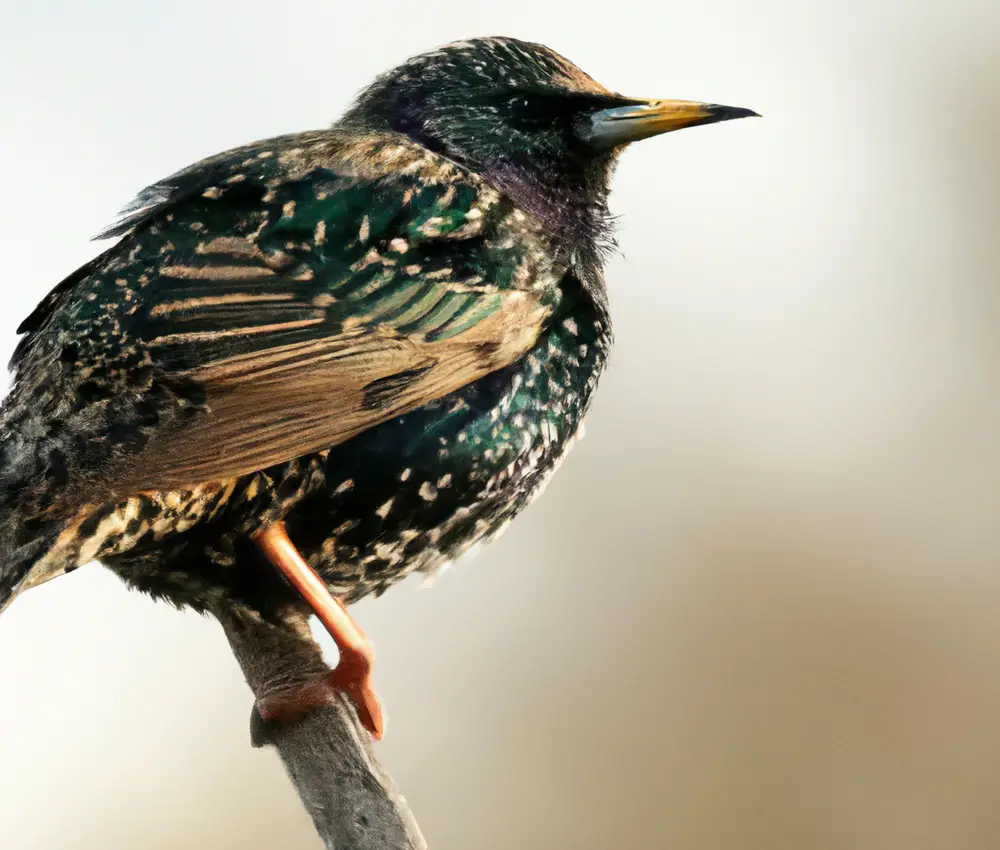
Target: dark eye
[{"x": 532, "y": 110}]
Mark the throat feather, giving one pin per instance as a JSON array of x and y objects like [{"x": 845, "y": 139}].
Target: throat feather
[{"x": 576, "y": 217}]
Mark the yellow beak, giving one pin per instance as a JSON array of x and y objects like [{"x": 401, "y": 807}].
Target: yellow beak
[{"x": 624, "y": 124}]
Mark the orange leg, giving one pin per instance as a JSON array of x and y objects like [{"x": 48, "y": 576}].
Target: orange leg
[{"x": 353, "y": 673}]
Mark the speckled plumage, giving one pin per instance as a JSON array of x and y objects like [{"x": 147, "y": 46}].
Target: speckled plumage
[{"x": 385, "y": 335}]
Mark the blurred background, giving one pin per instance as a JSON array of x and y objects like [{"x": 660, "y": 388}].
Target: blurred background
[{"x": 760, "y": 605}]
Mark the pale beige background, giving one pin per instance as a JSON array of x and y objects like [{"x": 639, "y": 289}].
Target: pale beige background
[{"x": 760, "y": 605}]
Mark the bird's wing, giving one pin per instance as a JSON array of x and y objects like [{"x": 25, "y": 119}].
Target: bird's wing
[{"x": 283, "y": 298}]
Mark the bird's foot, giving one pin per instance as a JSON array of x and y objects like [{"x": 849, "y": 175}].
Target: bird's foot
[
  {"x": 353, "y": 674},
  {"x": 291, "y": 703}
]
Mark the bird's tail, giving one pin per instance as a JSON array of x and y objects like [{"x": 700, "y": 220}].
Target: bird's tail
[
  {"x": 24, "y": 537},
  {"x": 16, "y": 565}
]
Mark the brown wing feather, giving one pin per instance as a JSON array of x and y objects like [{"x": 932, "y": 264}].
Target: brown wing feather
[{"x": 270, "y": 407}]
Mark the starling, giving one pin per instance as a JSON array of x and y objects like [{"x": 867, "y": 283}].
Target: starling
[{"x": 317, "y": 363}]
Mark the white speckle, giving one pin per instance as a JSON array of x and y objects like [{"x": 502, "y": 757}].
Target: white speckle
[
  {"x": 405, "y": 474},
  {"x": 388, "y": 552},
  {"x": 365, "y": 230},
  {"x": 570, "y": 325},
  {"x": 428, "y": 492},
  {"x": 288, "y": 210},
  {"x": 432, "y": 227},
  {"x": 399, "y": 245},
  {"x": 583, "y": 350},
  {"x": 383, "y": 511},
  {"x": 444, "y": 481},
  {"x": 372, "y": 256},
  {"x": 344, "y": 486},
  {"x": 320, "y": 233}
]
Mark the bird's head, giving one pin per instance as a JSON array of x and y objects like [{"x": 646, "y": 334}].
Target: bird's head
[{"x": 526, "y": 119}]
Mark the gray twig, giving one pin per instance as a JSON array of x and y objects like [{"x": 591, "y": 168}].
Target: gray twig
[{"x": 327, "y": 754}]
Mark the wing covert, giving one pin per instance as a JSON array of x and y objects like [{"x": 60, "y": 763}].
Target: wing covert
[{"x": 298, "y": 292}]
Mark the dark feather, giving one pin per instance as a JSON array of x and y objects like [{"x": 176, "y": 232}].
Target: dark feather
[{"x": 344, "y": 293}]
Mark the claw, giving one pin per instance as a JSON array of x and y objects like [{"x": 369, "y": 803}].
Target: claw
[
  {"x": 291, "y": 704},
  {"x": 355, "y": 680}
]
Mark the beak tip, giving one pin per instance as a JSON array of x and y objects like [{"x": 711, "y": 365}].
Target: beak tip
[{"x": 730, "y": 113}]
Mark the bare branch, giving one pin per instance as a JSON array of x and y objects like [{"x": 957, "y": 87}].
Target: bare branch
[{"x": 327, "y": 754}]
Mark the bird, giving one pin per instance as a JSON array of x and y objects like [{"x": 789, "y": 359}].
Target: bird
[{"x": 317, "y": 363}]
